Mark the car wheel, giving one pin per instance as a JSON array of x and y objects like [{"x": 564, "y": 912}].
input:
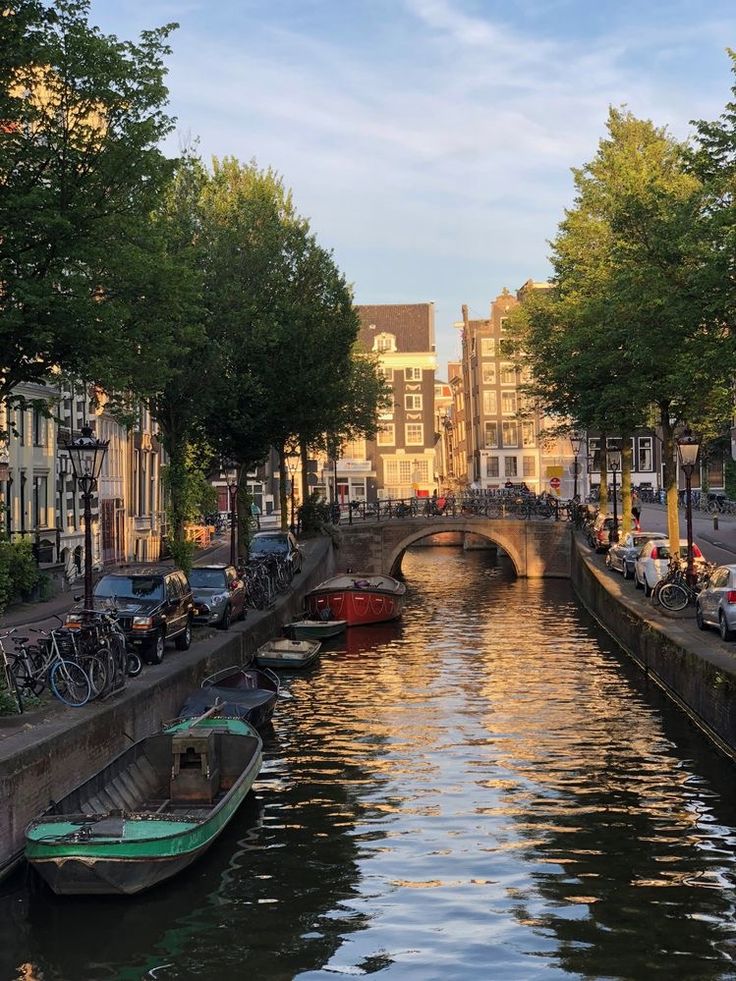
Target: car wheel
[
  {"x": 608, "y": 560},
  {"x": 153, "y": 653},
  {"x": 702, "y": 625},
  {"x": 723, "y": 628},
  {"x": 646, "y": 587},
  {"x": 628, "y": 572},
  {"x": 637, "y": 584},
  {"x": 226, "y": 619},
  {"x": 184, "y": 640}
]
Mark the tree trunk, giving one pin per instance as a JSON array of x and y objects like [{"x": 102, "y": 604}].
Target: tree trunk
[
  {"x": 627, "y": 455},
  {"x": 283, "y": 496},
  {"x": 304, "y": 454},
  {"x": 603, "y": 492},
  {"x": 670, "y": 478},
  {"x": 242, "y": 504}
]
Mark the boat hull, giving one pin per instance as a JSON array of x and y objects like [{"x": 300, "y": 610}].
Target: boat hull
[
  {"x": 127, "y": 853},
  {"x": 346, "y": 598},
  {"x": 315, "y": 629}
]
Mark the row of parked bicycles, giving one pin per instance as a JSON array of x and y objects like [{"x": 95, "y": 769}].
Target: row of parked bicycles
[{"x": 79, "y": 664}]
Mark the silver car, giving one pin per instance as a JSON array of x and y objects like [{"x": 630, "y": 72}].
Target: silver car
[
  {"x": 623, "y": 555},
  {"x": 716, "y": 602}
]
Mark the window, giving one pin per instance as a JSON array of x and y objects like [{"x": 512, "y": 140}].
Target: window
[
  {"x": 510, "y": 433},
  {"x": 645, "y": 459},
  {"x": 506, "y": 347},
  {"x": 384, "y": 342},
  {"x": 487, "y": 347},
  {"x": 529, "y": 466},
  {"x": 414, "y": 433},
  {"x": 508, "y": 374},
  {"x": 20, "y": 425},
  {"x": 39, "y": 427},
  {"x": 413, "y": 402},
  {"x": 509, "y": 466},
  {"x": 508, "y": 403},
  {"x": 354, "y": 449},
  {"x": 492, "y": 466},
  {"x": 412, "y": 374},
  {"x": 40, "y": 490},
  {"x": 594, "y": 451},
  {"x": 387, "y": 435},
  {"x": 527, "y": 434},
  {"x": 489, "y": 373},
  {"x": 490, "y": 406},
  {"x": 505, "y": 326},
  {"x": 491, "y": 434}
]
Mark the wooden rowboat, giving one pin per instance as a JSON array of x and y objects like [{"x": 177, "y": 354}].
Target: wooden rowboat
[
  {"x": 314, "y": 629},
  {"x": 287, "y": 654},
  {"x": 150, "y": 812},
  {"x": 243, "y": 693}
]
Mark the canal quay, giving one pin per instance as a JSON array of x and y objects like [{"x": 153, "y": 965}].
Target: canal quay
[{"x": 490, "y": 788}]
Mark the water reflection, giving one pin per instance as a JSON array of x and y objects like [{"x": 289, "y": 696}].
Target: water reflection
[{"x": 486, "y": 790}]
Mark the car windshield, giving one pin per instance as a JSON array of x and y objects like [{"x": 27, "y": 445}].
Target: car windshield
[
  {"x": 207, "y": 578},
  {"x": 640, "y": 540},
  {"x": 262, "y": 546},
  {"x": 131, "y": 587}
]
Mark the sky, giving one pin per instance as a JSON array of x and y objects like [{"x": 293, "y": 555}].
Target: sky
[{"x": 430, "y": 142}]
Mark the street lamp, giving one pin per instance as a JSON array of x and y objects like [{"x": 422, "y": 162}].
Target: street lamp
[
  {"x": 86, "y": 454},
  {"x": 576, "y": 441},
  {"x": 232, "y": 479},
  {"x": 292, "y": 464},
  {"x": 687, "y": 452},
  {"x": 613, "y": 458}
]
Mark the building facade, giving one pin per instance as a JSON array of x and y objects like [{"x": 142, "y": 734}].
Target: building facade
[{"x": 402, "y": 457}]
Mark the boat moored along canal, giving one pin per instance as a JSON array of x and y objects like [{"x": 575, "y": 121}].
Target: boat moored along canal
[
  {"x": 286, "y": 654},
  {"x": 150, "y": 812},
  {"x": 359, "y": 599}
]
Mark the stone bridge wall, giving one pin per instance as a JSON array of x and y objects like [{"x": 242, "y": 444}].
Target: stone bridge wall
[{"x": 537, "y": 548}]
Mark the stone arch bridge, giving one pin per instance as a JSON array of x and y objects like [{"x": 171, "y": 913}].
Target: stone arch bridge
[{"x": 537, "y": 549}]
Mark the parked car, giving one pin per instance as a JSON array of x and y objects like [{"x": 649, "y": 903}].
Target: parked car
[
  {"x": 219, "y": 595},
  {"x": 278, "y": 543},
  {"x": 599, "y": 536},
  {"x": 654, "y": 561},
  {"x": 716, "y": 602},
  {"x": 154, "y": 605},
  {"x": 622, "y": 555}
]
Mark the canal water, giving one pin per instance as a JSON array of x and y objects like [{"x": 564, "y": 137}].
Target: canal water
[{"x": 487, "y": 790}]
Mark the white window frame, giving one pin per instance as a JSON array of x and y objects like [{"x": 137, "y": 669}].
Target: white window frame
[
  {"x": 488, "y": 347},
  {"x": 408, "y": 440},
  {"x": 492, "y": 464},
  {"x": 526, "y": 428},
  {"x": 506, "y": 397},
  {"x": 413, "y": 403},
  {"x": 507, "y": 369},
  {"x": 386, "y": 435},
  {"x": 412, "y": 374},
  {"x": 488, "y": 372},
  {"x": 490, "y": 444},
  {"x": 509, "y": 469},
  {"x": 512, "y": 428},
  {"x": 490, "y": 403}
]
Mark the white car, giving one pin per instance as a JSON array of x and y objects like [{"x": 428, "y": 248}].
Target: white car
[{"x": 654, "y": 561}]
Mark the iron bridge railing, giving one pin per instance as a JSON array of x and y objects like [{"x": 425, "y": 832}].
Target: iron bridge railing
[{"x": 517, "y": 507}]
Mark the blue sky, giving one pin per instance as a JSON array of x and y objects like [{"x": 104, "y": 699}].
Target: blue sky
[{"x": 430, "y": 141}]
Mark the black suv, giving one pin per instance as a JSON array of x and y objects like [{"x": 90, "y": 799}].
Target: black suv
[{"x": 154, "y": 605}]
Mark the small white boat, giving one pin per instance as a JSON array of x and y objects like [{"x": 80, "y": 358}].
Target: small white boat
[
  {"x": 314, "y": 629},
  {"x": 288, "y": 654}
]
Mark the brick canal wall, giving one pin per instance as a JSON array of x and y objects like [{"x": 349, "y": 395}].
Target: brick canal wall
[
  {"x": 694, "y": 668},
  {"x": 46, "y": 754}
]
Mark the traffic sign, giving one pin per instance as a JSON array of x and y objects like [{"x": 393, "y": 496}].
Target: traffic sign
[{"x": 554, "y": 483}]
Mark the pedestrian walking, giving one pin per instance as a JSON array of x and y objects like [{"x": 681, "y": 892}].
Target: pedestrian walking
[
  {"x": 256, "y": 513},
  {"x": 636, "y": 509}
]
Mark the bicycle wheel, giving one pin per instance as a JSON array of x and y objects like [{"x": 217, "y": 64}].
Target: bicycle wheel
[
  {"x": 24, "y": 676},
  {"x": 70, "y": 684},
  {"x": 673, "y": 596},
  {"x": 96, "y": 668}
]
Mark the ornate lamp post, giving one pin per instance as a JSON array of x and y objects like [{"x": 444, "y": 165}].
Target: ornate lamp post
[
  {"x": 576, "y": 441},
  {"x": 87, "y": 454},
  {"x": 687, "y": 452},
  {"x": 613, "y": 458},
  {"x": 292, "y": 465},
  {"x": 232, "y": 479}
]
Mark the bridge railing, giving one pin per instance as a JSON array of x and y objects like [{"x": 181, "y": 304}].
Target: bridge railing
[{"x": 519, "y": 507}]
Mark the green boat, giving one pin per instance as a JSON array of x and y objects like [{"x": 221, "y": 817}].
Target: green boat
[{"x": 150, "y": 812}]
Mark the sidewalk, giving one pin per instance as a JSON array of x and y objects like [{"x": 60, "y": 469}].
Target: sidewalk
[{"x": 37, "y": 614}]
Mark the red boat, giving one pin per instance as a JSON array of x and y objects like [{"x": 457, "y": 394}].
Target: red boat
[{"x": 357, "y": 599}]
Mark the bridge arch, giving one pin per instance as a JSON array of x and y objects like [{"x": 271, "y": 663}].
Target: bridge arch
[
  {"x": 395, "y": 554},
  {"x": 536, "y": 548}
]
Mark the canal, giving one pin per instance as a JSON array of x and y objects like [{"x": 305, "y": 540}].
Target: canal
[{"x": 487, "y": 790}]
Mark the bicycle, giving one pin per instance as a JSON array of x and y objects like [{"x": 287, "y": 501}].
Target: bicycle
[
  {"x": 673, "y": 592},
  {"x": 10, "y": 682}
]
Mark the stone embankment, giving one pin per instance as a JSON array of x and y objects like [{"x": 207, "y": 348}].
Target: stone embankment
[
  {"x": 695, "y": 668},
  {"x": 45, "y": 755}
]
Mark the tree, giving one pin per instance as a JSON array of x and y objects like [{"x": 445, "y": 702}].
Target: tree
[
  {"x": 81, "y": 119},
  {"x": 627, "y": 260}
]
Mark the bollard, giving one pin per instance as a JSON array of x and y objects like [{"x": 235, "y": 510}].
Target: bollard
[{"x": 715, "y": 522}]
